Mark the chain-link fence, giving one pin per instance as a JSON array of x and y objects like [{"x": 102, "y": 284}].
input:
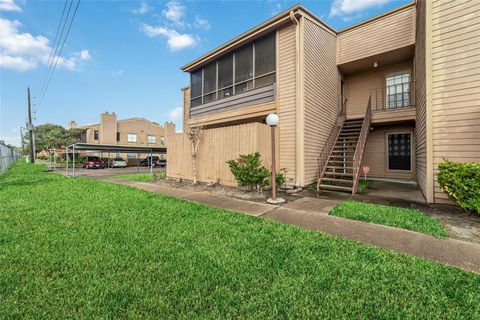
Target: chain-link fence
[{"x": 7, "y": 157}]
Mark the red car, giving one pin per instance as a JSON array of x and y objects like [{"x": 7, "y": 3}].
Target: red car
[{"x": 94, "y": 162}]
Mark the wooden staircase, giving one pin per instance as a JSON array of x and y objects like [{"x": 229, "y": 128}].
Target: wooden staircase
[
  {"x": 338, "y": 175},
  {"x": 341, "y": 157}
]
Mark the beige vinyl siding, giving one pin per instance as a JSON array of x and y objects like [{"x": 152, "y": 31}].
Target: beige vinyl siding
[
  {"x": 359, "y": 87},
  {"x": 286, "y": 101},
  {"x": 455, "y": 83},
  {"x": 376, "y": 153},
  {"x": 387, "y": 33},
  {"x": 420, "y": 94},
  {"x": 321, "y": 93},
  {"x": 186, "y": 107}
]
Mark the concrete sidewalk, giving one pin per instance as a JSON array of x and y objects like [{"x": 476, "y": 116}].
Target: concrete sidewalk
[{"x": 311, "y": 213}]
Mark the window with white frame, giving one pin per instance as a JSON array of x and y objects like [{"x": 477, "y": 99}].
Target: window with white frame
[
  {"x": 398, "y": 90},
  {"x": 151, "y": 139},
  {"x": 162, "y": 141},
  {"x": 132, "y": 137},
  {"x": 248, "y": 67}
]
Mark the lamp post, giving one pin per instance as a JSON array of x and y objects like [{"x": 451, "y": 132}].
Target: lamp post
[{"x": 272, "y": 121}]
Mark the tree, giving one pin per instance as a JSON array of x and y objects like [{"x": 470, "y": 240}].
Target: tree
[
  {"x": 194, "y": 134},
  {"x": 51, "y": 135}
]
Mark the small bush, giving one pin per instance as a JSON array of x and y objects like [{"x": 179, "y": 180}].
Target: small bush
[
  {"x": 363, "y": 185},
  {"x": 461, "y": 181},
  {"x": 249, "y": 171},
  {"x": 281, "y": 177}
]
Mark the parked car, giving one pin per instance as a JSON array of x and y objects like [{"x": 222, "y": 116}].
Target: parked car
[
  {"x": 147, "y": 162},
  {"x": 119, "y": 163},
  {"x": 160, "y": 163},
  {"x": 94, "y": 162}
]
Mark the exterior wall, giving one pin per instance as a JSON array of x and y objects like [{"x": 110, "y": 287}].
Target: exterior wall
[
  {"x": 421, "y": 104},
  {"x": 286, "y": 83},
  {"x": 321, "y": 93},
  {"x": 376, "y": 156},
  {"x": 387, "y": 33},
  {"x": 455, "y": 83},
  {"x": 359, "y": 87},
  {"x": 216, "y": 147},
  {"x": 186, "y": 107},
  {"x": 108, "y": 128}
]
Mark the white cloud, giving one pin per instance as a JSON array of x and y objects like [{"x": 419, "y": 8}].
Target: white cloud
[
  {"x": 175, "y": 114},
  {"x": 175, "y": 40},
  {"x": 117, "y": 73},
  {"x": 347, "y": 7},
  {"x": 175, "y": 12},
  {"x": 201, "y": 23},
  {"x": 9, "y": 5},
  {"x": 144, "y": 8},
  {"x": 23, "y": 51}
]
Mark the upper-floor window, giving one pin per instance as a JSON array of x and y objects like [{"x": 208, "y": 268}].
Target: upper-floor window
[
  {"x": 132, "y": 137},
  {"x": 118, "y": 136},
  {"x": 131, "y": 155},
  {"x": 398, "y": 90},
  {"x": 151, "y": 139},
  {"x": 162, "y": 141},
  {"x": 95, "y": 134},
  {"x": 248, "y": 67}
]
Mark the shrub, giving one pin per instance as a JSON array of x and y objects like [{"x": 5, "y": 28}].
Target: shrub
[
  {"x": 249, "y": 171},
  {"x": 363, "y": 185},
  {"x": 280, "y": 177},
  {"x": 461, "y": 181}
]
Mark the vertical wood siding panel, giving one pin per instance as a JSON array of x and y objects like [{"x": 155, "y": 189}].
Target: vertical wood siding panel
[
  {"x": 321, "y": 93},
  {"x": 286, "y": 101},
  {"x": 450, "y": 48}
]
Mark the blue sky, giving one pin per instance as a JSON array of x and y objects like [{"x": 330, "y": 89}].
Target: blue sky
[{"x": 125, "y": 56}]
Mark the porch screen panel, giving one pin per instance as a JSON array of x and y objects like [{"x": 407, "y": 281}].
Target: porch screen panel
[
  {"x": 265, "y": 61},
  {"x": 225, "y": 76},
  {"x": 210, "y": 82},
  {"x": 196, "y": 87},
  {"x": 244, "y": 68},
  {"x": 399, "y": 151}
]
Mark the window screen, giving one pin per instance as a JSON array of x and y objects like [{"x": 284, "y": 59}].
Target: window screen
[
  {"x": 225, "y": 71},
  {"x": 399, "y": 151},
  {"x": 265, "y": 55},
  {"x": 196, "y": 83},
  {"x": 210, "y": 78},
  {"x": 95, "y": 135},
  {"x": 244, "y": 63}
]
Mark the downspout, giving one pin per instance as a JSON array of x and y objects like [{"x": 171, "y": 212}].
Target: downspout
[{"x": 298, "y": 106}]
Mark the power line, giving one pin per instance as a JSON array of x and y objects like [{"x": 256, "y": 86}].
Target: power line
[
  {"x": 59, "y": 54},
  {"x": 50, "y": 56}
]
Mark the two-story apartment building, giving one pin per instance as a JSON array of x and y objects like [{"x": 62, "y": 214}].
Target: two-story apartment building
[
  {"x": 398, "y": 93},
  {"x": 137, "y": 132}
]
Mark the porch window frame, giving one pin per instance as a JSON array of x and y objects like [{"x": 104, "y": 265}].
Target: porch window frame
[
  {"x": 412, "y": 155},
  {"x": 233, "y": 86}
]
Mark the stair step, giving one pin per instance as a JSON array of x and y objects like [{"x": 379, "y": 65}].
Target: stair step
[
  {"x": 337, "y": 180},
  {"x": 329, "y": 173},
  {"x": 342, "y": 157},
  {"x": 348, "y": 134},
  {"x": 343, "y": 151},
  {"x": 337, "y": 167},
  {"x": 340, "y": 161},
  {"x": 333, "y": 187}
]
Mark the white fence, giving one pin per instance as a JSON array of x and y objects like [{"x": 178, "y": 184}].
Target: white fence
[{"x": 7, "y": 157}]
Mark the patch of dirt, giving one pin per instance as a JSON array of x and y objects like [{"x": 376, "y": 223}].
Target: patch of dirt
[{"x": 224, "y": 191}]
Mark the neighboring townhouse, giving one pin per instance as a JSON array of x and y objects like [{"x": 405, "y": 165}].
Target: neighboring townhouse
[
  {"x": 398, "y": 93},
  {"x": 138, "y": 132}
]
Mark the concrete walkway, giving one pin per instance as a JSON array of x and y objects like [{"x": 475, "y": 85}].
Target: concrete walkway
[{"x": 311, "y": 213}]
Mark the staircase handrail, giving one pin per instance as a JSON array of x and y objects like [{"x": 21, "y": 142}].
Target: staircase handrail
[
  {"x": 362, "y": 139},
  {"x": 331, "y": 141}
]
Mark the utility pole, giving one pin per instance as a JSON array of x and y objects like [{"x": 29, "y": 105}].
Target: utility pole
[{"x": 30, "y": 128}]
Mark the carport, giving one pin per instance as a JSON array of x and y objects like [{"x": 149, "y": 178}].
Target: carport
[{"x": 111, "y": 148}]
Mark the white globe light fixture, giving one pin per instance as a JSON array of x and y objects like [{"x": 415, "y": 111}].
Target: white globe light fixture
[{"x": 273, "y": 119}]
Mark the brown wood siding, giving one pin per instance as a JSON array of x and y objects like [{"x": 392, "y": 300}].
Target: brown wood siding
[
  {"x": 376, "y": 155},
  {"x": 186, "y": 107},
  {"x": 321, "y": 93},
  {"x": 420, "y": 95},
  {"x": 358, "y": 87},
  {"x": 388, "y": 33},
  {"x": 455, "y": 101},
  {"x": 216, "y": 147},
  {"x": 287, "y": 101}
]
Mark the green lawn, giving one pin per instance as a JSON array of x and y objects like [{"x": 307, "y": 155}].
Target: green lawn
[
  {"x": 409, "y": 219},
  {"x": 81, "y": 248}
]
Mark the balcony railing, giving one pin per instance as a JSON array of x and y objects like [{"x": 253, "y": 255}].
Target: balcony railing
[{"x": 394, "y": 97}]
